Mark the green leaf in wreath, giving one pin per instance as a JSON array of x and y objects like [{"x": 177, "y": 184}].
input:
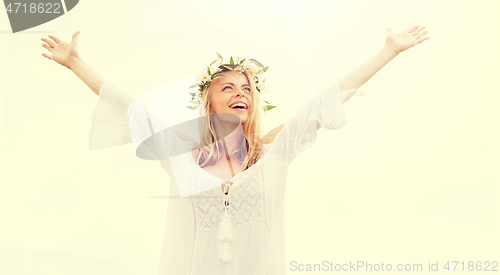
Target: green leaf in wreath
[
  {"x": 269, "y": 107},
  {"x": 231, "y": 61},
  {"x": 257, "y": 63},
  {"x": 191, "y": 107},
  {"x": 265, "y": 69},
  {"x": 229, "y": 66},
  {"x": 217, "y": 76},
  {"x": 220, "y": 57}
]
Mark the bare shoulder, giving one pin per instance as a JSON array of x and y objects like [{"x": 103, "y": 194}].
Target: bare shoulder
[{"x": 269, "y": 137}]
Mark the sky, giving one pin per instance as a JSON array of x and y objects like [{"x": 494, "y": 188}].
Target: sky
[{"x": 413, "y": 178}]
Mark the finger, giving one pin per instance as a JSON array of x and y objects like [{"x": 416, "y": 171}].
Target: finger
[
  {"x": 75, "y": 35},
  {"x": 422, "y": 40},
  {"x": 46, "y": 56},
  {"x": 47, "y": 47},
  {"x": 418, "y": 30},
  {"x": 52, "y": 44},
  {"x": 55, "y": 39},
  {"x": 412, "y": 29},
  {"x": 420, "y": 35}
]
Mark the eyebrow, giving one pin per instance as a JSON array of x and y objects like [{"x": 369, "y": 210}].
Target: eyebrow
[{"x": 232, "y": 84}]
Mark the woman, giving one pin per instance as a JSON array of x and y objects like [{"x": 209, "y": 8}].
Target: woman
[{"x": 244, "y": 232}]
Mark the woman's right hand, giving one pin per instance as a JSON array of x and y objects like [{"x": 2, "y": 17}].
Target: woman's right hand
[{"x": 62, "y": 52}]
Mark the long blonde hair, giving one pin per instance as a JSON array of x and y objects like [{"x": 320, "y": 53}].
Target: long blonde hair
[{"x": 208, "y": 151}]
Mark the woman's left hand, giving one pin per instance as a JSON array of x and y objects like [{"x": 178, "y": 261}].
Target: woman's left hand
[{"x": 402, "y": 41}]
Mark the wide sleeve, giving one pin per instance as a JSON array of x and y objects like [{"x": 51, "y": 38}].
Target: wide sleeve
[
  {"x": 109, "y": 121},
  {"x": 324, "y": 110},
  {"x": 118, "y": 119}
]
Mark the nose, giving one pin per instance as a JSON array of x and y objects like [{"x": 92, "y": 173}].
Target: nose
[{"x": 240, "y": 93}]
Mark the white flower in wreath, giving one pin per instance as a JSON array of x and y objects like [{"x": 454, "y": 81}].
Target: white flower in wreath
[
  {"x": 203, "y": 77},
  {"x": 237, "y": 59},
  {"x": 252, "y": 67},
  {"x": 256, "y": 70},
  {"x": 246, "y": 64},
  {"x": 197, "y": 99},
  {"x": 261, "y": 85},
  {"x": 215, "y": 66}
]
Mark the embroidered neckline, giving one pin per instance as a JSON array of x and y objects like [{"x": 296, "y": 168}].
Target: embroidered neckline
[
  {"x": 233, "y": 179},
  {"x": 266, "y": 148}
]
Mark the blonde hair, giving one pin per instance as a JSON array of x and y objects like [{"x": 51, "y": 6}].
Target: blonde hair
[{"x": 208, "y": 152}]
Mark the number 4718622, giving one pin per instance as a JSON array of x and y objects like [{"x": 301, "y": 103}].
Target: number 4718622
[
  {"x": 471, "y": 266},
  {"x": 34, "y": 8}
]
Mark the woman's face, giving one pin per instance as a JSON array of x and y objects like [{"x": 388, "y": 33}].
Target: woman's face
[{"x": 229, "y": 89}]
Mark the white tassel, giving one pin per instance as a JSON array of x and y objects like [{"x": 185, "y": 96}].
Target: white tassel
[
  {"x": 225, "y": 233},
  {"x": 225, "y": 254}
]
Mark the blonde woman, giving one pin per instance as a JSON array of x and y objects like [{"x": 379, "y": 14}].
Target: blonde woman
[{"x": 237, "y": 227}]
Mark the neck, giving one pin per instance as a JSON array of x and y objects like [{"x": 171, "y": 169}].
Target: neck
[{"x": 231, "y": 132}]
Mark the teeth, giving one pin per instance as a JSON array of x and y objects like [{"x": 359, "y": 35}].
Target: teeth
[{"x": 239, "y": 104}]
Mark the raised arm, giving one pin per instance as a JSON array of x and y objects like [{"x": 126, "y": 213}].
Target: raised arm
[
  {"x": 67, "y": 55},
  {"x": 395, "y": 43}
]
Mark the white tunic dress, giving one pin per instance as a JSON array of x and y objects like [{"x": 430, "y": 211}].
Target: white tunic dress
[{"x": 257, "y": 208}]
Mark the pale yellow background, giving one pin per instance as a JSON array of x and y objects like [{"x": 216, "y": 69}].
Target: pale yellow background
[{"x": 428, "y": 187}]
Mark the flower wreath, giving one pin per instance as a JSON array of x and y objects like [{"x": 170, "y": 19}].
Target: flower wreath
[{"x": 215, "y": 69}]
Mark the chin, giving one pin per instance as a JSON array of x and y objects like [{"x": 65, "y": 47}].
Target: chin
[
  {"x": 242, "y": 116},
  {"x": 243, "y": 119}
]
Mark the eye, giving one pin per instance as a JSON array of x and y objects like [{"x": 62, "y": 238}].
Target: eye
[
  {"x": 247, "y": 89},
  {"x": 227, "y": 87}
]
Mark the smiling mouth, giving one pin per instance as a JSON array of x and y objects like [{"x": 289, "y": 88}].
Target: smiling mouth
[{"x": 240, "y": 106}]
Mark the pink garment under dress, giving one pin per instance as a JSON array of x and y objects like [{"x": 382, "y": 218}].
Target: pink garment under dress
[{"x": 257, "y": 208}]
